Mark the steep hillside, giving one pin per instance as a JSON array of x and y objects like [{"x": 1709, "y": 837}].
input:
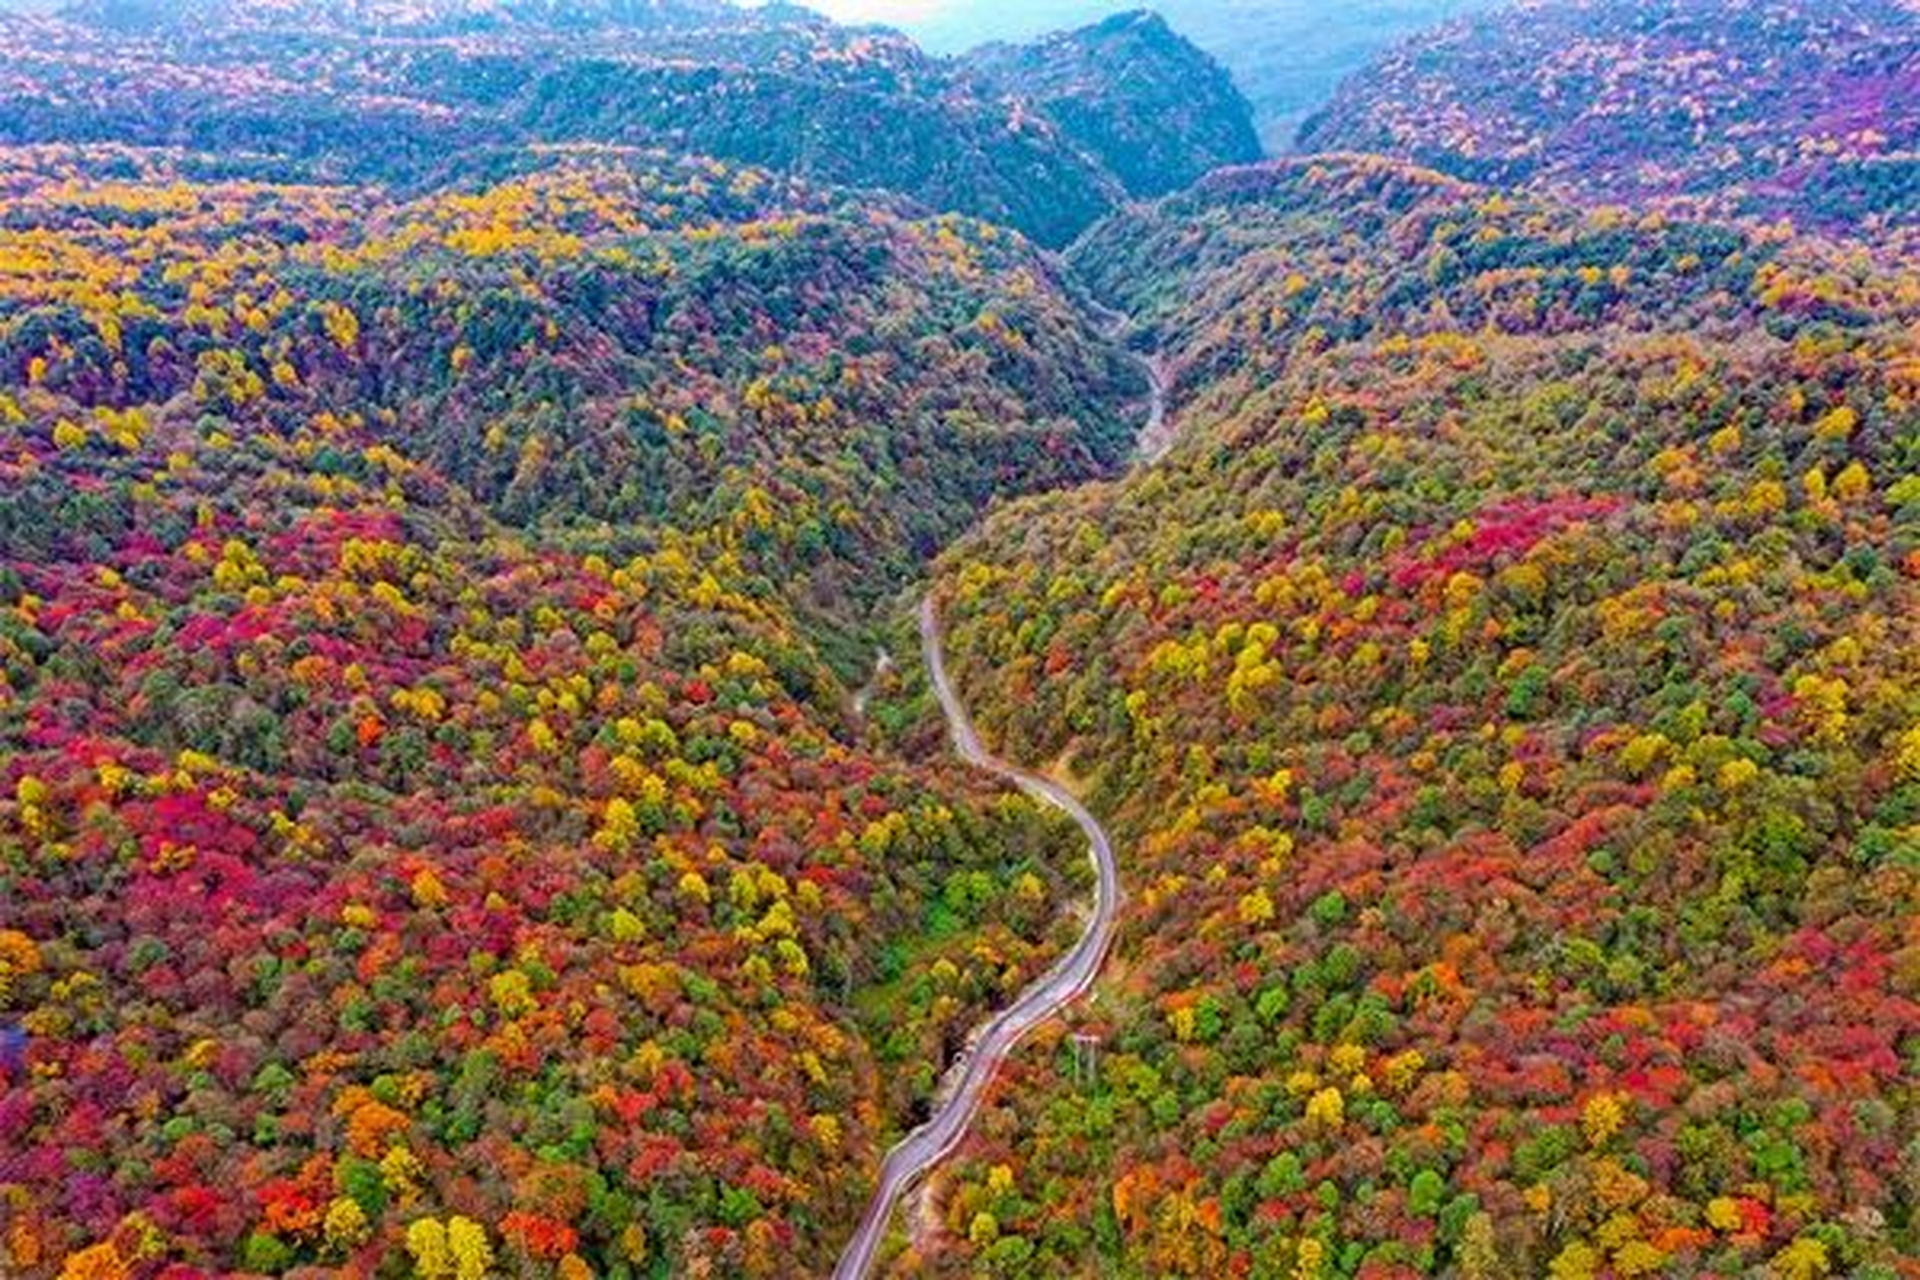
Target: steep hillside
[
  {"x": 400, "y": 93},
  {"x": 1803, "y": 108},
  {"x": 606, "y": 339},
  {"x": 1507, "y": 695},
  {"x": 1151, "y": 108},
  {"x": 423, "y": 803},
  {"x": 1287, "y": 56}
]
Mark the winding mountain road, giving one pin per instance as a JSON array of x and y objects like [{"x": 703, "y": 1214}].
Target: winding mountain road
[
  {"x": 1065, "y": 982},
  {"x": 1157, "y": 438}
]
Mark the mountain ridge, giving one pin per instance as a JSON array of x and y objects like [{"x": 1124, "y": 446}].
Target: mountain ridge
[
  {"x": 1682, "y": 100},
  {"x": 780, "y": 88},
  {"x": 461, "y": 814}
]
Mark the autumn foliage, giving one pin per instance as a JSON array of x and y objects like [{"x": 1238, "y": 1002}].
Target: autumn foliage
[
  {"x": 1512, "y": 718},
  {"x": 397, "y": 873}
]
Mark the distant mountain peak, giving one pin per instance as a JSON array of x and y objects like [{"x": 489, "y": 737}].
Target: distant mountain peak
[
  {"x": 1131, "y": 18},
  {"x": 1132, "y": 92}
]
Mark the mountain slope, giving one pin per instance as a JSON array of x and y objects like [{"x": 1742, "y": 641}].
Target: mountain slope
[
  {"x": 1150, "y": 107},
  {"x": 1505, "y": 697},
  {"x": 1757, "y": 107},
  {"x": 1287, "y": 56},
  {"x": 415, "y": 17},
  {"x": 636, "y": 340},
  {"x": 295, "y": 94},
  {"x": 422, "y": 796}
]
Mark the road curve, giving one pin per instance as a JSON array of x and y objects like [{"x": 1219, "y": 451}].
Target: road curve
[
  {"x": 1157, "y": 438},
  {"x": 1065, "y": 982}
]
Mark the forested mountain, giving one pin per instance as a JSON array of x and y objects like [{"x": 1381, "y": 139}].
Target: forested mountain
[
  {"x": 1151, "y": 108},
  {"x": 1507, "y": 694},
  {"x": 424, "y": 807},
  {"x": 606, "y": 341},
  {"x": 401, "y": 92},
  {"x": 1286, "y": 55},
  {"x": 1801, "y": 108},
  {"x": 459, "y": 458}
]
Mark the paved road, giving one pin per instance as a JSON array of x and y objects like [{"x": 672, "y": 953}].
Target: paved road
[
  {"x": 1157, "y": 438},
  {"x": 1060, "y": 986}
]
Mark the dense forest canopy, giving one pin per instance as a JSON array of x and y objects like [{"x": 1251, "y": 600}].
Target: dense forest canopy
[
  {"x": 1286, "y": 55},
  {"x": 1756, "y": 108},
  {"x": 459, "y": 459},
  {"x": 1508, "y": 688},
  {"x": 424, "y": 798},
  {"x": 296, "y": 91}
]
